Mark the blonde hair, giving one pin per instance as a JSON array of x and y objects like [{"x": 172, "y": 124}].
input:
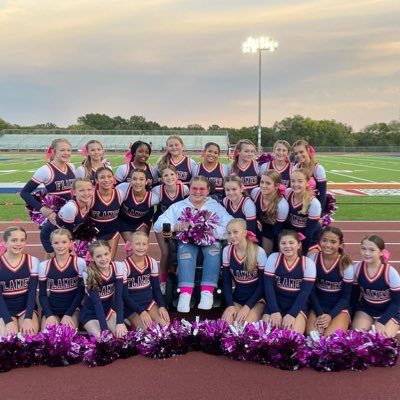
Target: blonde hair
[
  {"x": 61, "y": 232},
  {"x": 54, "y": 144},
  {"x": 165, "y": 160},
  {"x": 94, "y": 279},
  {"x": 8, "y": 231},
  {"x": 80, "y": 180},
  {"x": 310, "y": 167},
  {"x": 272, "y": 209},
  {"x": 309, "y": 194},
  {"x": 283, "y": 143},
  {"x": 252, "y": 248},
  {"x": 87, "y": 163},
  {"x": 238, "y": 149}
]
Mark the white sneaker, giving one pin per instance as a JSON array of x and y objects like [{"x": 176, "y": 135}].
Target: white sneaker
[
  {"x": 184, "y": 303},
  {"x": 206, "y": 300},
  {"x": 163, "y": 286}
]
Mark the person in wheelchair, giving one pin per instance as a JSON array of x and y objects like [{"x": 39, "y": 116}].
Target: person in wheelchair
[{"x": 187, "y": 252}]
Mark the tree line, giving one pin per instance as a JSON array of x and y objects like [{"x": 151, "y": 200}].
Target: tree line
[{"x": 318, "y": 132}]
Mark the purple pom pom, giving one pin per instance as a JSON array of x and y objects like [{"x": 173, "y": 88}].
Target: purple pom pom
[
  {"x": 100, "y": 352},
  {"x": 384, "y": 352},
  {"x": 7, "y": 347},
  {"x": 47, "y": 200},
  {"x": 127, "y": 346},
  {"x": 211, "y": 333},
  {"x": 264, "y": 158},
  {"x": 256, "y": 338}
]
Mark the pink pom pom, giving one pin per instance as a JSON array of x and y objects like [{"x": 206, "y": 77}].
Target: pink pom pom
[
  {"x": 385, "y": 256},
  {"x": 49, "y": 153},
  {"x": 3, "y": 248},
  {"x": 88, "y": 258},
  {"x": 84, "y": 150}
]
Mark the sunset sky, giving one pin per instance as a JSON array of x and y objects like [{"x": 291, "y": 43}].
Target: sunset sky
[{"x": 180, "y": 62}]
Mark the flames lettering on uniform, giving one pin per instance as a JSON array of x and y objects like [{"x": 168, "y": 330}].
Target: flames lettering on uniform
[
  {"x": 107, "y": 291},
  {"x": 218, "y": 182},
  {"x": 134, "y": 213},
  {"x": 288, "y": 283},
  {"x": 64, "y": 184},
  {"x": 298, "y": 220},
  {"x": 62, "y": 283},
  {"x": 106, "y": 215},
  {"x": 139, "y": 282},
  {"x": 374, "y": 295},
  {"x": 249, "y": 180},
  {"x": 242, "y": 275},
  {"x": 183, "y": 175},
  {"x": 14, "y": 285},
  {"x": 329, "y": 285}
]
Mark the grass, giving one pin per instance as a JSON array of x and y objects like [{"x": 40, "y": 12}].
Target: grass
[{"x": 362, "y": 168}]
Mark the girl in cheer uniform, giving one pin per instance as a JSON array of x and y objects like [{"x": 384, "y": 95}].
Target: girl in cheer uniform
[
  {"x": 272, "y": 208},
  {"x": 304, "y": 209},
  {"x": 137, "y": 159},
  {"x": 289, "y": 279},
  {"x": 212, "y": 169},
  {"x": 103, "y": 283},
  {"x": 60, "y": 283},
  {"x": 238, "y": 203},
  {"x": 137, "y": 207},
  {"x": 244, "y": 262},
  {"x": 244, "y": 166},
  {"x": 281, "y": 162},
  {"x": 94, "y": 152},
  {"x": 169, "y": 192},
  {"x": 143, "y": 300},
  {"x": 106, "y": 207},
  {"x": 330, "y": 299},
  {"x": 304, "y": 154},
  {"x": 18, "y": 282},
  {"x": 57, "y": 176},
  {"x": 378, "y": 284},
  {"x": 185, "y": 166},
  {"x": 73, "y": 214}
]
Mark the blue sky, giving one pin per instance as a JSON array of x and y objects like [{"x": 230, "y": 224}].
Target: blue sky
[{"x": 180, "y": 62}]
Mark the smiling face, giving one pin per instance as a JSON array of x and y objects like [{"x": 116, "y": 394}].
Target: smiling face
[
  {"x": 168, "y": 177},
  {"x": 298, "y": 182},
  {"x": 211, "y": 154},
  {"x": 105, "y": 179},
  {"x": 95, "y": 151},
  {"x": 140, "y": 245},
  {"x": 235, "y": 233},
  {"x": 62, "y": 152},
  {"x": 233, "y": 191},
  {"x": 267, "y": 185},
  {"x": 330, "y": 243},
  {"x": 16, "y": 242},
  {"x": 138, "y": 181},
  {"x": 142, "y": 154},
  {"x": 246, "y": 153},
  {"x": 175, "y": 147},
  {"x": 102, "y": 257},
  {"x": 60, "y": 244},
  {"x": 281, "y": 152},
  {"x": 198, "y": 192},
  {"x": 289, "y": 246},
  {"x": 83, "y": 191},
  {"x": 370, "y": 252},
  {"x": 301, "y": 154}
]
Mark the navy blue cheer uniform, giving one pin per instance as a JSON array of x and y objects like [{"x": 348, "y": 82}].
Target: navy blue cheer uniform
[
  {"x": 81, "y": 171},
  {"x": 18, "y": 287},
  {"x": 249, "y": 175},
  {"x": 287, "y": 289},
  {"x": 379, "y": 294},
  {"x": 104, "y": 214},
  {"x": 215, "y": 176},
  {"x": 332, "y": 290},
  {"x": 98, "y": 303},
  {"x": 141, "y": 286},
  {"x": 123, "y": 174},
  {"x": 246, "y": 210},
  {"x": 60, "y": 286},
  {"x": 249, "y": 285},
  {"x": 184, "y": 168},
  {"x": 307, "y": 224},
  {"x": 55, "y": 180},
  {"x": 285, "y": 172}
]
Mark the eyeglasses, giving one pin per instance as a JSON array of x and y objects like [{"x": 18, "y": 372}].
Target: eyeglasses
[{"x": 200, "y": 190}]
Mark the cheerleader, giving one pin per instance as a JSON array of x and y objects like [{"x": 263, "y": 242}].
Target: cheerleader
[
  {"x": 378, "y": 284},
  {"x": 94, "y": 152},
  {"x": 57, "y": 176},
  {"x": 105, "y": 208},
  {"x": 60, "y": 283},
  {"x": 103, "y": 282},
  {"x": 137, "y": 207},
  {"x": 281, "y": 162},
  {"x": 238, "y": 203},
  {"x": 71, "y": 215},
  {"x": 137, "y": 158},
  {"x": 142, "y": 295},
  {"x": 330, "y": 299},
  {"x": 243, "y": 261},
  {"x": 289, "y": 279},
  {"x": 272, "y": 208},
  {"x": 18, "y": 282},
  {"x": 169, "y": 192},
  {"x": 185, "y": 166},
  {"x": 243, "y": 164},
  {"x": 304, "y": 154},
  {"x": 212, "y": 169},
  {"x": 187, "y": 252},
  {"x": 304, "y": 209}
]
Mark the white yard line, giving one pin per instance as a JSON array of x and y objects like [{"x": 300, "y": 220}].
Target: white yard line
[
  {"x": 366, "y": 166},
  {"x": 352, "y": 177}
]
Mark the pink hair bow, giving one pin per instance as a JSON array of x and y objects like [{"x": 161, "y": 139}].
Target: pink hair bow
[
  {"x": 203, "y": 153},
  {"x": 72, "y": 246},
  {"x": 49, "y": 153},
  {"x": 235, "y": 154},
  {"x": 128, "y": 247},
  {"x": 385, "y": 256},
  {"x": 252, "y": 237},
  {"x": 312, "y": 151},
  {"x": 300, "y": 236},
  {"x": 3, "y": 248},
  {"x": 84, "y": 150},
  {"x": 128, "y": 157},
  {"x": 282, "y": 189}
]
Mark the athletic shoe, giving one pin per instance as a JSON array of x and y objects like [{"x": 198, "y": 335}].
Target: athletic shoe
[
  {"x": 206, "y": 300},
  {"x": 163, "y": 287},
  {"x": 184, "y": 303}
]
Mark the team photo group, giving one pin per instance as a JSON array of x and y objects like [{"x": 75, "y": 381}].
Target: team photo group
[{"x": 259, "y": 226}]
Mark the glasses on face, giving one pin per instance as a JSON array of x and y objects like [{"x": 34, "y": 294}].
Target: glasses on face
[{"x": 200, "y": 190}]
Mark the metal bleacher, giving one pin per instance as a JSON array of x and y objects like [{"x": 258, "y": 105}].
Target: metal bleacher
[{"x": 38, "y": 140}]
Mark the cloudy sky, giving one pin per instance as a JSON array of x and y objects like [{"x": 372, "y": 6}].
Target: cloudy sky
[{"x": 180, "y": 62}]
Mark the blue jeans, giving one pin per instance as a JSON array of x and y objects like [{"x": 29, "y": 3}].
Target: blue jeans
[{"x": 187, "y": 257}]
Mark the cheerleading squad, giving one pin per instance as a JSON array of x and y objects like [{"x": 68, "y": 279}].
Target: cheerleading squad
[{"x": 299, "y": 277}]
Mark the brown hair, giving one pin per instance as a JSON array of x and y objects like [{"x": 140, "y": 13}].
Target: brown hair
[
  {"x": 272, "y": 209},
  {"x": 87, "y": 163},
  {"x": 310, "y": 167},
  {"x": 345, "y": 260},
  {"x": 8, "y": 231},
  {"x": 94, "y": 279},
  {"x": 100, "y": 170},
  {"x": 376, "y": 239},
  {"x": 238, "y": 180},
  {"x": 293, "y": 234},
  {"x": 61, "y": 232},
  {"x": 238, "y": 148},
  {"x": 165, "y": 160},
  {"x": 55, "y": 143},
  {"x": 200, "y": 178}
]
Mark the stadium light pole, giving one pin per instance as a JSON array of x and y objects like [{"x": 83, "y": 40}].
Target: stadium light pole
[{"x": 254, "y": 45}]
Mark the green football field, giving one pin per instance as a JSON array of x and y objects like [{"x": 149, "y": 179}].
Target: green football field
[{"x": 353, "y": 168}]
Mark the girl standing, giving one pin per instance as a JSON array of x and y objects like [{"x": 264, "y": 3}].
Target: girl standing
[
  {"x": 330, "y": 299},
  {"x": 272, "y": 208},
  {"x": 142, "y": 295},
  {"x": 60, "y": 283},
  {"x": 18, "y": 282},
  {"x": 185, "y": 166},
  {"x": 244, "y": 262},
  {"x": 379, "y": 286},
  {"x": 289, "y": 279},
  {"x": 103, "y": 281}
]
